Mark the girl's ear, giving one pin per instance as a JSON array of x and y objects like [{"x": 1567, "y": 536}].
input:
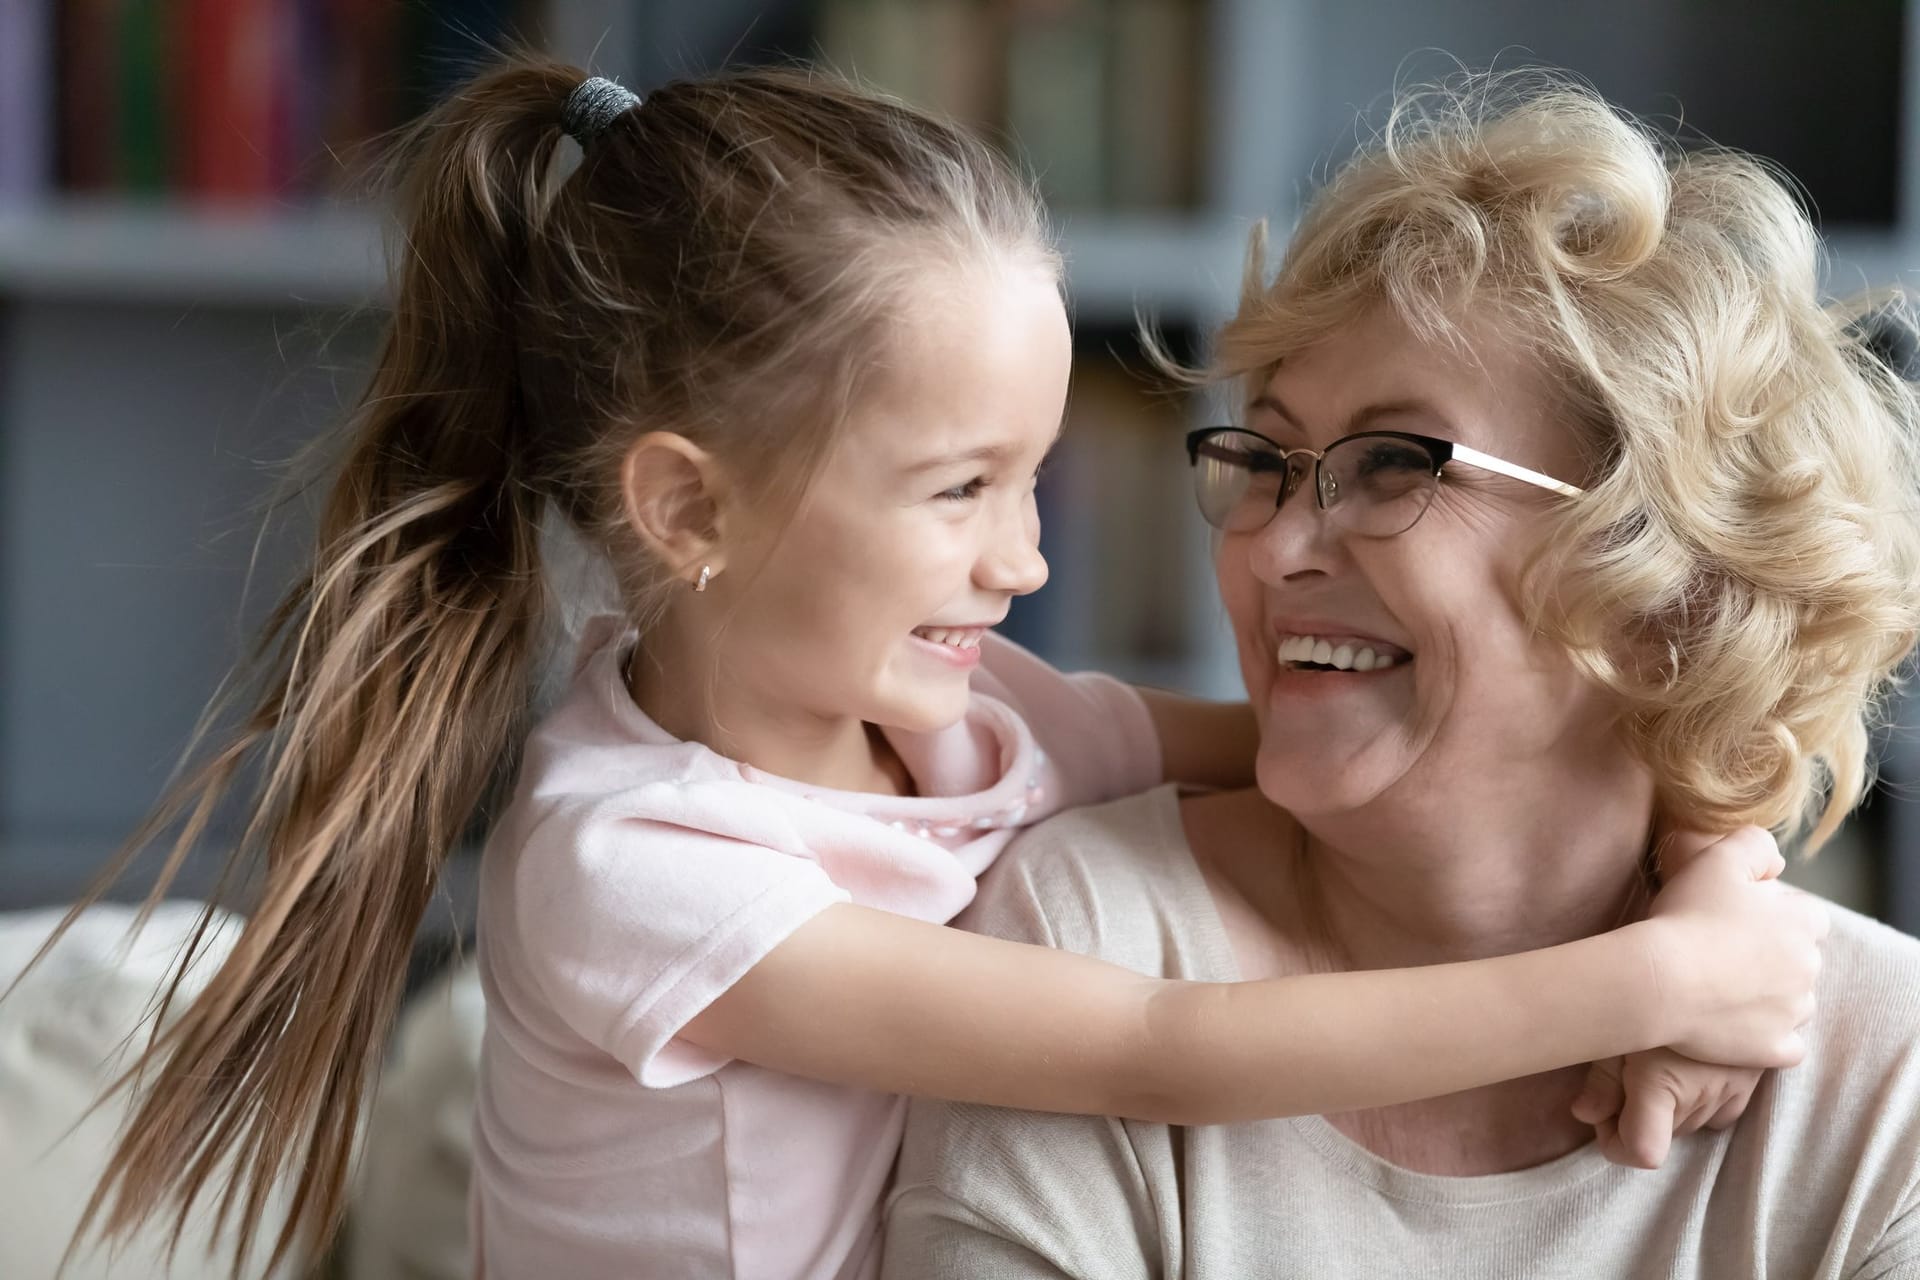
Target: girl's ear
[{"x": 672, "y": 491}]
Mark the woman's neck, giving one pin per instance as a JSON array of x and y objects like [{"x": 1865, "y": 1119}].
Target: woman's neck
[
  {"x": 1408, "y": 884},
  {"x": 1460, "y": 876},
  {"x": 687, "y": 697}
]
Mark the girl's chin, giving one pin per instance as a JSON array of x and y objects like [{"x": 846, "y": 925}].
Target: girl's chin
[{"x": 926, "y": 710}]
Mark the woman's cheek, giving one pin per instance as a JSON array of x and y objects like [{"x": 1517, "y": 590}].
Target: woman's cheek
[{"x": 1241, "y": 596}]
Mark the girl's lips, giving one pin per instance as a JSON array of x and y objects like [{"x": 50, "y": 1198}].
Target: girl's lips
[{"x": 962, "y": 656}]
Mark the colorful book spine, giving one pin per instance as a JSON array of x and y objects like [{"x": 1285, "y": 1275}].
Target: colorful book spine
[
  {"x": 26, "y": 100},
  {"x": 229, "y": 97},
  {"x": 358, "y": 89},
  {"x": 142, "y": 132},
  {"x": 88, "y": 94},
  {"x": 1056, "y": 93},
  {"x": 1154, "y": 121},
  {"x": 444, "y": 41}
]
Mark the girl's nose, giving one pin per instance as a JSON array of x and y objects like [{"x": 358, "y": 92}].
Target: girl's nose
[{"x": 1013, "y": 563}]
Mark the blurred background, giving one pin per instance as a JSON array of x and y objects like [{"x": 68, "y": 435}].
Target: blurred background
[{"x": 191, "y": 288}]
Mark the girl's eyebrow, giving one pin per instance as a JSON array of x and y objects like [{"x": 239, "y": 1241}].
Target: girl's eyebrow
[
  {"x": 984, "y": 453},
  {"x": 998, "y": 452}
]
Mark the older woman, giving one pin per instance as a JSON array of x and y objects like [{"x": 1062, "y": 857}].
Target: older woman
[{"x": 1560, "y": 510}]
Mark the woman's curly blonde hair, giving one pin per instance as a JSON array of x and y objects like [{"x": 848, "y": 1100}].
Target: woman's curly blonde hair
[{"x": 1744, "y": 569}]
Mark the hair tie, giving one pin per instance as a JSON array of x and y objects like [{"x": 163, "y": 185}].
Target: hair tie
[{"x": 593, "y": 105}]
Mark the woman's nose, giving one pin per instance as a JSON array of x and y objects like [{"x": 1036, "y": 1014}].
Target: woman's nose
[
  {"x": 1012, "y": 561},
  {"x": 1300, "y": 538}
]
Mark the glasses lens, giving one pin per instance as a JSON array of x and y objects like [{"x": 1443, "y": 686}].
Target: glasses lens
[
  {"x": 1377, "y": 485},
  {"x": 1237, "y": 478}
]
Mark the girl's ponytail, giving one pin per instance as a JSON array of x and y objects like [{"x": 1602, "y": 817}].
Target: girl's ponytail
[
  {"x": 393, "y": 686},
  {"x": 725, "y": 263}
]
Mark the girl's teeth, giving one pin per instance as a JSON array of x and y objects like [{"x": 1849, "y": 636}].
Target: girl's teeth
[
  {"x": 955, "y": 638},
  {"x": 1322, "y": 653},
  {"x": 1363, "y": 660},
  {"x": 1343, "y": 657}
]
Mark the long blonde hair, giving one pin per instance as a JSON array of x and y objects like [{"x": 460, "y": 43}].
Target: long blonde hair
[
  {"x": 1744, "y": 570},
  {"x": 724, "y": 262}
]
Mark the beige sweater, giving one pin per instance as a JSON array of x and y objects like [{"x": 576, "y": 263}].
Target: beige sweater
[{"x": 1820, "y": 1180}]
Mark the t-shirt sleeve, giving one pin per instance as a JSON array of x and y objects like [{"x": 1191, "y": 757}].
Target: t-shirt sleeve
[
  {"x": 1097, "y": 729},
  {"x": 1018, "y": 1195},
  {"x": 635, "y": 926}
]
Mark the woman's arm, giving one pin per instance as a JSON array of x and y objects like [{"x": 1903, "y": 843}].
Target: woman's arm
[
  {"x": 1208, "y": 744},
  {"x": 868, "y": 998}
]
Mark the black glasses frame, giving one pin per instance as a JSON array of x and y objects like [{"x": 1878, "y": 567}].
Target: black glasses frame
[{"x": 1440, "y": 452}]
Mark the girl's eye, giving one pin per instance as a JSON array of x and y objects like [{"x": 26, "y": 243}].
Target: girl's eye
[{"x": 963, "y": 492}]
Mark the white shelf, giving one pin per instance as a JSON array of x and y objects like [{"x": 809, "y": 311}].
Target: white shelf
[
  {"x": 332, "y": 257},
  {"x": 1182, "y": 268},
  {"x": 122, "y": 251},
  {"x": 1858, "y": 260}
]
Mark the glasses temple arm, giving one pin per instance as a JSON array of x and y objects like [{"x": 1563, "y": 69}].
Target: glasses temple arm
[{"x": 1487, "y": 462}]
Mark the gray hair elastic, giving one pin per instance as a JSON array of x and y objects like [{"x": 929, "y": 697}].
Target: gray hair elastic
[{"x": 594, "y": 105}]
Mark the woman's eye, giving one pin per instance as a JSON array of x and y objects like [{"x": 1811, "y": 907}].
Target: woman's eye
[{"x": 963, "y": 492}]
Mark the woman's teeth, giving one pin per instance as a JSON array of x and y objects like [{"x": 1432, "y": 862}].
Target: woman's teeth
[
  {"x": 1342, "y": 655},
  {"x": 955, "y": 637}
]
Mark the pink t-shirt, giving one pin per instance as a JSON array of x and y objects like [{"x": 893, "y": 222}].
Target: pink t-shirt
[{"x": 636, "y": 877}]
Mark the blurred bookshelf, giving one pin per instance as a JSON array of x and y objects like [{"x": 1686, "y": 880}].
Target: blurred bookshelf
[{"x": 190, "y": 287}]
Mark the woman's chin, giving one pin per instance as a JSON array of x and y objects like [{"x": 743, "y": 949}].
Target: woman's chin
[{"x": 1305, "y": 783}]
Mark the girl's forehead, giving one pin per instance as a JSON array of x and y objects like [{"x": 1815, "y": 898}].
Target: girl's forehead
[{"x": 991, "y": 363}]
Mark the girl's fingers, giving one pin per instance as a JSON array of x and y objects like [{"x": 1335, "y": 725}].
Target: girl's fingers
[
  {"x": 1601, "y": 1096},
  {"x": 1646, "y": 1126}
]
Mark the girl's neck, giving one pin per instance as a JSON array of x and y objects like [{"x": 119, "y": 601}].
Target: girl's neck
[{"x": 695, "y": 705}]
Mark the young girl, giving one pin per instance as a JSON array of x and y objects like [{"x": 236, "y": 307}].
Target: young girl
[{"x": 790, "y": 355}]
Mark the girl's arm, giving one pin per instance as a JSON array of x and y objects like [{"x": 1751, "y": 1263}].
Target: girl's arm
[
  {"x": 1208, "y": 744},
  {"x": 868, "y": 998}
]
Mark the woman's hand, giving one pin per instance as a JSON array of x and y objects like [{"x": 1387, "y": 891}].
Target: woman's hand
[
  {"x": 1637, "y": 1103},
  {"x": 1740, "y": 951}
]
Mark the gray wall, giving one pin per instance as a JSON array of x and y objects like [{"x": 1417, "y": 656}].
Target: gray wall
[{"x": 136, "y": 444}]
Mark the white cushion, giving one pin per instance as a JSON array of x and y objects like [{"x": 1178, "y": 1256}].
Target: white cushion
[
  {"x": 409, "y": 1215},
  {"x": 64, "y": 1033}
]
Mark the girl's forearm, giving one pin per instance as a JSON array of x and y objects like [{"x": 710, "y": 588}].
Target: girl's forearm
[
  {"x": 866, "y": 998},
  {"x": 1208, "y": 744},
  {"x": 1222, "y": 1052}
]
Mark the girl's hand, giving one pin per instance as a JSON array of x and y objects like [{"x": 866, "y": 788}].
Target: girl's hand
[
  {"x": 1739, "y": 952},
  {"x": 1637, "y": 1103}
]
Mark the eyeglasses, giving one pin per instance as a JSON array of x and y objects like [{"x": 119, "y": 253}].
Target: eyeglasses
[{"x": 1373, "y": 483}]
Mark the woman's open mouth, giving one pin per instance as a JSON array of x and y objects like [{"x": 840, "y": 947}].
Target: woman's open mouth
[{"x": 1339, "y": 653}]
